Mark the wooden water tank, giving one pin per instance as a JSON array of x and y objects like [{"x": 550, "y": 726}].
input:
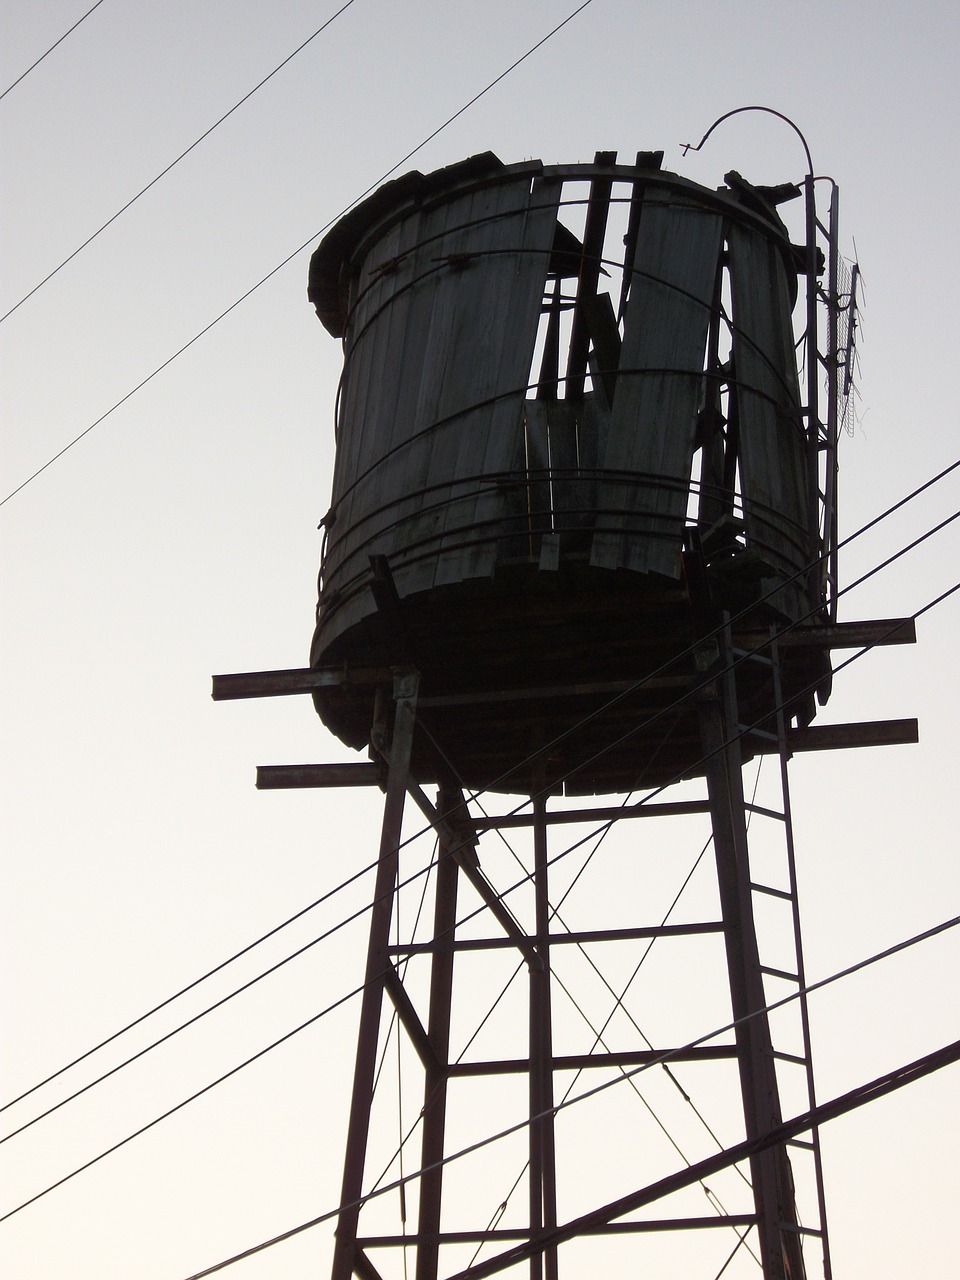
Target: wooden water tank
[{"x": 555, "y": 379}]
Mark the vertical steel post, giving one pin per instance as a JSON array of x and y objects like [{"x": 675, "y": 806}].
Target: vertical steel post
[
  {"x": 830, "y": 528},
  {"x": 543, "y": 1171},
  {"x": 812, "y": 355},
  {"x": 449, "y": 804},
  {"x": 405, "y": 699}
]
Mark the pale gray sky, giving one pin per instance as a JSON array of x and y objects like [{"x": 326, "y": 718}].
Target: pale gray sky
[{"x": 179, "y": 539}]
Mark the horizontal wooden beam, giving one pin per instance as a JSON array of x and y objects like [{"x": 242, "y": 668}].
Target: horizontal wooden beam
[
  {"x": 607, "y": 688},
  {"x": 834, "y": 737},
  {"x": 278, "y": 684},
  {"x": 283, "y": 777},
  {"x": 273, "y": 684},
  {"x": 836, "y": 635},
  {"x": 826, "y": 737},
  {"x": 305, "y": 680}
]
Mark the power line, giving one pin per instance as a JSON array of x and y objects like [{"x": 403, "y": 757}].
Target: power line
[
  {"x": 33, "y": 65},
  {"x": 184, "y": 990},
  {"x": 331, "y": 893},
  {"x": 173, "y": 163},
  {"x": 696, "y": 1172},
  {"x": 218, "y": 1004},
  {"x": 625, "y": 1075},
  {"x": 180, "y": 1105},
  {"x": 290, "y": 257}
]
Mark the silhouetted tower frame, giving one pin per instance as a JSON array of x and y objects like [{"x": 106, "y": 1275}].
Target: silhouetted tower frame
[{"x": 558, "y": 515}]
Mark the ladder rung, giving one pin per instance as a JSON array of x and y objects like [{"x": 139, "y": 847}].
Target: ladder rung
[
  {"x": 766, "y": 813},
  {"x": 774, "y": 893},
  {"x": 783, "y": 1056},
  {"x": 799, "y": 1231},
  {"x": 802, "y": 1143},
  {"x": 779, "y": 973}
]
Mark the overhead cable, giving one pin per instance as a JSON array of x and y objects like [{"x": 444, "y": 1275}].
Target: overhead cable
[
  {"x": 290, "y": 257},
  {"x": 189, "y": 987},
  {"x": 173, "y": 163},
  {"x": 185, "y": 1101},
  {"x": 218, "y": 1004},
  {"x": 33, "y": 65},
  {"x": 331, "y": 893},
  {"x": 666, "y": 1057},
  {"x": 696, "y": 1172}
]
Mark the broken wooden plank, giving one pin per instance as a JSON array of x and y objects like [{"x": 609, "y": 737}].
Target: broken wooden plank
[{"x": 653, "y": 420}]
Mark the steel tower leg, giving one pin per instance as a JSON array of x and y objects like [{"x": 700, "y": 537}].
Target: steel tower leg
[
  {"x": 438, "y": 1030},
  {"x": 543, "y": 1172},
  {"x": 346, "y": 1259}
]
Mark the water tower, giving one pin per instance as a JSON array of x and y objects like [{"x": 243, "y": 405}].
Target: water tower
[{"x": 581, "y": 543}]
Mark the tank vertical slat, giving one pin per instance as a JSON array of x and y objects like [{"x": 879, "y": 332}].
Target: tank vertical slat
[
  {"x": 418, "y": 437},
  {"x": 773, "y": 453},
  {"x": 593, "y": 432},
  {"x": 653, "y": 420},
  {"x": 382, "y": 305},
  {"x": 588, "y": 278},
  {"x": 513, "y": 256},
  {"x": 538, "y": 508}
]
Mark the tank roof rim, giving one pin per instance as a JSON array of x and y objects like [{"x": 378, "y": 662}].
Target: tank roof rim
[{"x": 389, "y": 201}]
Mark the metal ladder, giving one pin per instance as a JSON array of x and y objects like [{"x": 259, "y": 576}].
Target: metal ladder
[{"x": 775, "y": 881}]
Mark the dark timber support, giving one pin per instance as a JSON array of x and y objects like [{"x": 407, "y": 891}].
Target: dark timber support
[
  {"x": 436, "y": 1077},
  {"x": 346, "y": 1255},
  {"x": 543, "y": 1172},
  {"x": 591, "y": 264}
]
